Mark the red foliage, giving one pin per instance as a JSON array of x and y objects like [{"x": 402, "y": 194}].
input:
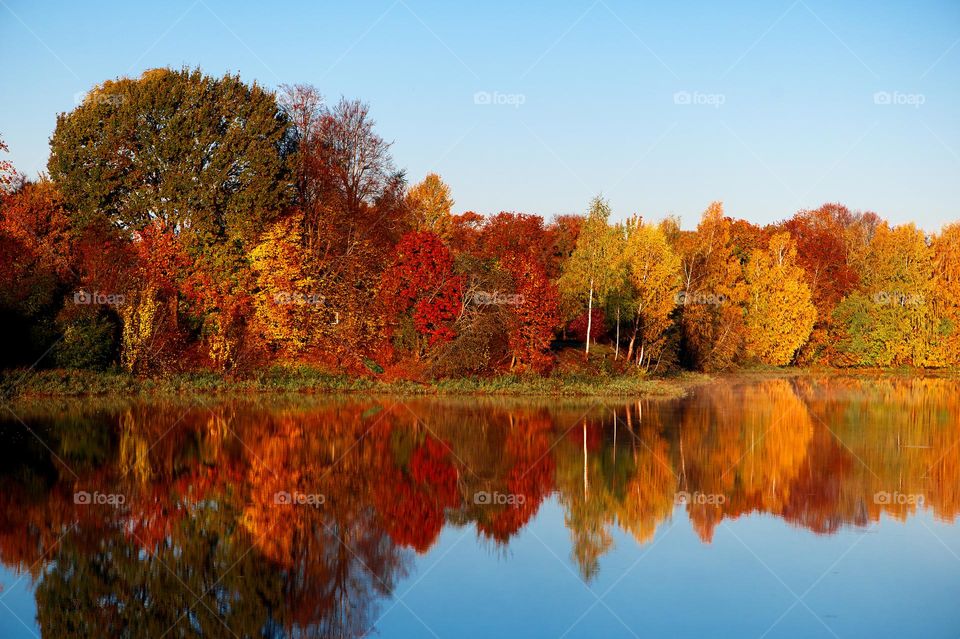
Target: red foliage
[
  {"x": 34, "y": 245},
  {"x": 517, "y": 234},
  {"x": 465, "y": 230},
  {"x": 577, "y": 328},
  {"x": 421, "y": 280},
  {"x": 535, "y": 314},
  {"x": 822, "y": 253},
  {"x": 562, "y": 232},
  {"x": 413, "y": 503},
  {"x": 161, "y": 257}
]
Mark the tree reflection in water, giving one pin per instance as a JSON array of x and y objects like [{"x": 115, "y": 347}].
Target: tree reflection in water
[{"x": 204, "y": 545}]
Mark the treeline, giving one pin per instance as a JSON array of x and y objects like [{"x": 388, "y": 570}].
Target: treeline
[{"x": 191, "y": 222}]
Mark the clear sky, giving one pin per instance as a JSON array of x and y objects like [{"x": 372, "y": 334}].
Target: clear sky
[{"x": 768, "y": 106}]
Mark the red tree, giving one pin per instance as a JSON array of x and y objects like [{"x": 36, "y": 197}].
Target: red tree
[
  {"x": 535, "y": 312},
  {"x": 421, "y": 282}
]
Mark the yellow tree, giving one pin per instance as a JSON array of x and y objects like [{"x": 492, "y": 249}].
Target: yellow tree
[
  {"x": 898, "y": 277},
  {"x": 712, "y": 292},
  {"x": 593, "y": 268},
  {"x": 430, "y": 204},
  {"x": 945, "y": 299},
  {"x": 653, "y": 270},
  {"x": 779, "y": 312},
  {"x": 290, "y": 303}
]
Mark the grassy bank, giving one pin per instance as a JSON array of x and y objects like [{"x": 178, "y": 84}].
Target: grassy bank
[{"x": 76, "y": 383}]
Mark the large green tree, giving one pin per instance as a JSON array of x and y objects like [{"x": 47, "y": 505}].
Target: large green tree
[{"x": 197, "y": 152}]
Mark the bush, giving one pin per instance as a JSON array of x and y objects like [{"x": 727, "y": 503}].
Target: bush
[{"x": 91, "y": 339}]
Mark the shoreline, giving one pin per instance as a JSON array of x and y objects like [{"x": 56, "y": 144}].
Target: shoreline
[
  {"x": 26, "y": 386},
  {"x": 20, "y": 385}
]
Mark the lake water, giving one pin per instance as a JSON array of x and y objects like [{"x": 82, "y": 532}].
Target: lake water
[{"x": 801, "y": 507}]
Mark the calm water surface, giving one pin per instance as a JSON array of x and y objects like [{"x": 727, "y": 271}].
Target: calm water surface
[{"x": 778, "y": 508}]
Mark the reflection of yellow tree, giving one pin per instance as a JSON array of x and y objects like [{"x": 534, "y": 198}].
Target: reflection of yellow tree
[
  {"x": 650, "y": 492},
  {"x": 746, "y": 443}
]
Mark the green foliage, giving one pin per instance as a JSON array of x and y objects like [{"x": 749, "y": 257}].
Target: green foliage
[
  {"x": 89, "y": 340},
  {"x": 200, "y": 153}
]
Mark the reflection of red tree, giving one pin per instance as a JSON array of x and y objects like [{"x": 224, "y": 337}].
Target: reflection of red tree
[
  {"x": 817, "y": 493},
  {"x": 594, "y": 435},
  {"x": 412, "y": 503},
  {"x": 529, "y": 481}
]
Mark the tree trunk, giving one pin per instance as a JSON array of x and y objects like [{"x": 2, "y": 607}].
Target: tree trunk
[
  {"x": 616, "y": 352},
  {"x": 589, "y": 320},
  {"x": 633, "y": 338},
  {"x": 586, "y": 484}
]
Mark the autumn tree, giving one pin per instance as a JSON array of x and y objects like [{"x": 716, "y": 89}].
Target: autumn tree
[
  {"x": 9, "y": 176},
  {"x": 562, "y": 233},
  {"x": 712, "y": 292},
  {"x": 591, "y": 270},
  {"x": 945, "y": 297},
  {"x": 888, "y": 322},
  {"x": 288, "y": 303},
  {"x": 150, "y": 333},
  {"x": 515, "y": 234},
  {"x": 420, "y": 291},
  {"x": 430, "y": 204},
  {"x": 820, "y": 236},
  {"x": 465, "y": 232},
  {"x": 36, "y": 270},
  {"x": 653, "y": 271},
  {"x": 196, "y": 152},
  {"x": 535, "y": 313},
  {"x": 779, "y": 310}
]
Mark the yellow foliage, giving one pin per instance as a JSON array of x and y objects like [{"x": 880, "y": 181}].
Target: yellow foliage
[
  {"x": 290, "y": 303},
  {"x": 430, "y": 203},
  {"x": 140, "y": 317},
  {"x": 898, "y": 279},
  {"x": 779, "y": 312},
  {"x": 654, "y": 271}
]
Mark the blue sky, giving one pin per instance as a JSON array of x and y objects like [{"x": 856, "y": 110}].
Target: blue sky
[{"x": 536, "y": 106}]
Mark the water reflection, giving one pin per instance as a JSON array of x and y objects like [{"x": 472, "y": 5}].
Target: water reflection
[{"x": 282, "y": 517}]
